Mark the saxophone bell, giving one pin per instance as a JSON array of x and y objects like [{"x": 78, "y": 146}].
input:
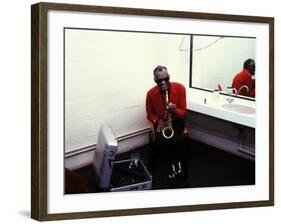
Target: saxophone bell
[{"x": 168, "y": 131}]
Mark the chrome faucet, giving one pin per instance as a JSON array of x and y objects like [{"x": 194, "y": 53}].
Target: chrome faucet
[
  {"x": 244, "y": 86},
  {"x": 230, "y": 98}
]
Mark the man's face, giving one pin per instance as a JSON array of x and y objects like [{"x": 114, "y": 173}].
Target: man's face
[
  {"x": 162, "y": 80},
  {"x": 252, "y": 68}
]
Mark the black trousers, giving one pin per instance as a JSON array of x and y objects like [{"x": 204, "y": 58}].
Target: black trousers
[{"x": 175, "y": 146}]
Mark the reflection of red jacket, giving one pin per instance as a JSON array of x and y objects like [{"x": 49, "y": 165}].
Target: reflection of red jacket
[
  {"x": 155, "y": 101},
  {"x": 244, "y": 78}
]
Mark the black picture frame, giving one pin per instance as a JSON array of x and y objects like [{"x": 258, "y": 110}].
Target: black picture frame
[{"x": 39, "y": 109}]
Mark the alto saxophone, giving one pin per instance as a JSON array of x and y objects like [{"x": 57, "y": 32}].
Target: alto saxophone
[{"x": 168, "y": 131}]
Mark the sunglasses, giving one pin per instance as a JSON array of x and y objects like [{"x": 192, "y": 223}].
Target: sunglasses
[{"x": 159, "y": 81}]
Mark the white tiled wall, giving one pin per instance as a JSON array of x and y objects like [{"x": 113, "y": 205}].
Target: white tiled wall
[{"x": 107, "y": 75}]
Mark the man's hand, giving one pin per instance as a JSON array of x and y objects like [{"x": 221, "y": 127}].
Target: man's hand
[
  {"x": 160, "y": 125},
  {"x": 172, "y": 108}
]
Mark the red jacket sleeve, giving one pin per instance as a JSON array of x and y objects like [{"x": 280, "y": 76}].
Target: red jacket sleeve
[
  {"x": 244, "y": 78},
  {"x": 151, "y": 116}
]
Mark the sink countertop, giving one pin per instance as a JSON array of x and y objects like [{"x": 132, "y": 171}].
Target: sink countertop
[{"x": 213, "y": 107}]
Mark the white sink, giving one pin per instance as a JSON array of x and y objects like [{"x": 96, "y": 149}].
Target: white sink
[{"x": 239, "y": 108}]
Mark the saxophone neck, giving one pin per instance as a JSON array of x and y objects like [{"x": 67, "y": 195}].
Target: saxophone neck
[{"x": 167, "y": 97}]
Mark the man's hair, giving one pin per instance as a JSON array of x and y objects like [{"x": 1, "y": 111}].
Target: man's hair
[
  {"x": 159, "y": 68},
  {"x": 247, "y": 62}
]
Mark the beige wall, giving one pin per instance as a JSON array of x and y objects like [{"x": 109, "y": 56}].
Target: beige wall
[{"x": 107, "y": 75}]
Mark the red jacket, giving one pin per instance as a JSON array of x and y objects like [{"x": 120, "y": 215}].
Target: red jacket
[
  {"x": 244, "y": 78},
  {"x": 155, "y": 101}
]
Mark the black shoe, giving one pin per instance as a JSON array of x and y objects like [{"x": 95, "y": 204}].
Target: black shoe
[
  {"x": 181, "y": 177},
  {"x": 177, "y": 176},
  {"x": 182, "y": 173},
  {"x": 172, "y": 176}
]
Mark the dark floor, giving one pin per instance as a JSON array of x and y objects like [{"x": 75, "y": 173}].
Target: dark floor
[{"x": 207, "y": 167}]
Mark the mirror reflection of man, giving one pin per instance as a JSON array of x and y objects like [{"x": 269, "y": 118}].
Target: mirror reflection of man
[
  {"x": 243, "y": 81},
  {"x": 156, "y": 114}
]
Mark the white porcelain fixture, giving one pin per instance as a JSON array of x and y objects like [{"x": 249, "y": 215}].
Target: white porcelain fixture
[{"x": 239, "y": 108}]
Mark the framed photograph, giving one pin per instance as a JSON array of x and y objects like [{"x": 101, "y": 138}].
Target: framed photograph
[{"x": 96, "y": 72}]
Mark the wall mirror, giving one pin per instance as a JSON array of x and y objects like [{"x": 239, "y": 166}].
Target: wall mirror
[{"x": 215, "y": 60}]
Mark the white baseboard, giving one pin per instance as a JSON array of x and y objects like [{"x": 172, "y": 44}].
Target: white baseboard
[{"x": 84, "y": 156}]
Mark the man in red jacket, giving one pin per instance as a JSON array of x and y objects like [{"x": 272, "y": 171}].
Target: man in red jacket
[
  {"x": 243, "y": 82},
  {"x": 156, "y": 109}
]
